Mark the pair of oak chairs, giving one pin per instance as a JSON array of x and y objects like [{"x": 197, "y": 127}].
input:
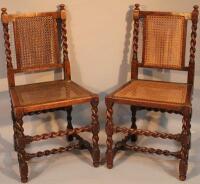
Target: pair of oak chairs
[{"x": 40, "y": 44}]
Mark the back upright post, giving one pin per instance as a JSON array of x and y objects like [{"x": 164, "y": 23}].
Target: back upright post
[
  {"x": 134, "y": 63},
  {"x": 195, "y": 14},
  {"x": 67, "y": 72},
  {"x": 10, "y": 73}
]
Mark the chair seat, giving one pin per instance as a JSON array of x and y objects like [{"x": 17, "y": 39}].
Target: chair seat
[
  {"x": 57, "y": 94},
  {"x": 152, "y": 92}
]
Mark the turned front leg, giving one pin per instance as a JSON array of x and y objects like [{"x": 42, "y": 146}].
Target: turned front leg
[
  {"x": 20, "y": 139},
  {"x": 109, "y": 132},
  {"x": 95, "y": 132},
  {"x": 185, "y": 142}
]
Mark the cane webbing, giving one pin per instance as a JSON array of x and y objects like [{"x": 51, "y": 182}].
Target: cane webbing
[
  {"x": 164, "y": 41},
  {"x": 36, "y": 41},
  {"x": 165, "y": 92},
  {"x": 46, "y": 92}
]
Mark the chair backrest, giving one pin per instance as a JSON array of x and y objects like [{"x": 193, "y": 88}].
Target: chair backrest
[
  {"x": 38, "y": 40},
  {"x": 164, "y": 39}
]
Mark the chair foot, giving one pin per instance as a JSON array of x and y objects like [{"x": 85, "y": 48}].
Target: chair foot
[
  {"x": 96, "y": 164},
  {"x": 96, "y": 157},
  {"x": 23, "y": 168},
  {"x": 110, "y": 166},
  {"x": 24, "y": 180},
  {"x": 183, "y": 165},
  {"x": 182, "y": 178},
  {"x": 109, "y": 160},
  {"x": 109, "y": 157}
]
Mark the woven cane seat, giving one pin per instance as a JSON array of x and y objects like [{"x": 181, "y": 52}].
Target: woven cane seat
[
  {"x": 49, "y": 92},
  {"x": 153, "y": 92}
]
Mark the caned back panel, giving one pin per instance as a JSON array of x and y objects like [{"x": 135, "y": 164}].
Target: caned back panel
[
  {"x": 36, "y": 42},
  {"x": 164, "y": 41}
]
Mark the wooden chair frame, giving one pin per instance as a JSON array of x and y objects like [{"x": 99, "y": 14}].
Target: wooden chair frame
[
  {"x": 186, "y": 110},
  {"x": 20, "y": 139}
]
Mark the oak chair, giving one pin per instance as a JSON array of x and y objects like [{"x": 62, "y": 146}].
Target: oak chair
[
  {"x": 164, "y": 41},
  {"x": 40, "y": 44}
]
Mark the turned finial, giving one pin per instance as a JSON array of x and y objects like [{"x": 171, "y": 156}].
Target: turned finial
[
  {"x": 195, "y": 10},
  {"x": 196, "y": 7},
  {"x": 195, "y": 13},
  {"x": 136, "y": 12},
  {"x": 4, "y": 16},
  {"x": 63, "y": 11},
  {"x": 62, "y": 6},
  {"x": 3, "y": 11},
  {"x": 137, "y": 6}
]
